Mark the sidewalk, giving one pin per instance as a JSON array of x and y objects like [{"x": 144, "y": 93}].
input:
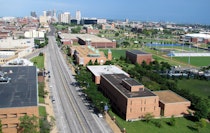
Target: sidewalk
[{"x": 112, "y": 124}]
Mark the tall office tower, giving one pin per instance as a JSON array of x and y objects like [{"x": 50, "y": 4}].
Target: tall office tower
[
  {"x": 54, "y": 13},
  {"x": 78, "y": 16},
  {"x": 49, "y": 13},
  {"x": 64, "y": 17},
  {"x": 45, "y": 13},
  {"x": 33, "y": 14}
]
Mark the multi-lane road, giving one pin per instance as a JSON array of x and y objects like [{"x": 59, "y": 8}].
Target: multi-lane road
[{"x": 71, "y": 113}]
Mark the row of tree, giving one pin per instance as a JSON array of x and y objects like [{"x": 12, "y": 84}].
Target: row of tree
[{"x": 199, "y": 104}]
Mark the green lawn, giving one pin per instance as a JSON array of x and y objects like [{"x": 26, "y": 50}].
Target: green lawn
[
  {"x": 182, "y": 126},
  {"x": 198, "y": 87},
  {"x": 38, "y": 61},
  {"x": 42, "y": 111},
  {"x": 115, "y": 53},
  {"x": 195, "y": 61},
  {"x": 41, "y": 90}
]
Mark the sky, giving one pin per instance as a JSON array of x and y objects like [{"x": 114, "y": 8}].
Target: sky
[{"x": 177, "y": 11}]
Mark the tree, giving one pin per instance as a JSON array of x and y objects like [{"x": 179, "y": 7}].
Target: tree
[
  {"x": 117, "y": 34},
  {"x": 172, "y": 121},
  {"x": 28, "y": 124},
  {"x": 0, "y": 127},
  {"x": 200, "y": 124},
  {"x": 148, "y": 117}
]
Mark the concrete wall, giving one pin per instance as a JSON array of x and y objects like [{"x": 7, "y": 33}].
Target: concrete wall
[{"x": 10, "y": 117}]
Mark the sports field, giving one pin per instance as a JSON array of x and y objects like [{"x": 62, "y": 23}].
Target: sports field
[{"x": 195, "y": 61}]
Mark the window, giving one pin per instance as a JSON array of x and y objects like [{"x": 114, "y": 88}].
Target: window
[
  {"x": 13, "y": 125},
  {"x": 141, "y": 109},
  {"x": 2, "y": 116},
  {"x": 144, "y": 109},
  {"x": 12, "y": 115},
  {"x": 154, "y": 107},
  {"x": 131, "y": 102},
  {"x": 145, "y": 101},
  {"x": 22, "y": 114},
  {"x": 155, "y": 100},
  {"x": 130, "y": 109},
  {"x": 4, "y": 125}
]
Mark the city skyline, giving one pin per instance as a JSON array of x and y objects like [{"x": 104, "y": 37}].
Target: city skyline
[{"x": 194, "y": 12}]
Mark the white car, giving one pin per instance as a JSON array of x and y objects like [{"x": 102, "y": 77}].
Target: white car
[{"x": 100, "y": 115}]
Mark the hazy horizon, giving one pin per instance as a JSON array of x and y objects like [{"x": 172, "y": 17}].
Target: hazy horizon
[{"x": 179, "y": 11}]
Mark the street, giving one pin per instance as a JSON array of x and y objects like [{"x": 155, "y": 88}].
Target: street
[{"x": 71, "y": 114}]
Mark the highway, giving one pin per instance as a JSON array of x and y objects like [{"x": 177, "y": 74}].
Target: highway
[{"x": 71, "y": 114}]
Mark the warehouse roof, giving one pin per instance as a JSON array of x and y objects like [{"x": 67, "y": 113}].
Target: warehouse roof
[{"x": 21, "y": 90}]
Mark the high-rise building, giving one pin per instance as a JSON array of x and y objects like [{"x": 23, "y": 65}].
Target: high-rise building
[
  {"x": 45, "y": 13},
  {"x": 64, "y": 17},
  {"x": 49, "y": 13},
  {"x": 33, "y": 14},
  {"x": 78, "y": 16}
]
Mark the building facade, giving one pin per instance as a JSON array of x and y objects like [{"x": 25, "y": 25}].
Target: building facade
[
  {"x": 136, "y": 56},
  {"x": 129, "y": 98},
  {"x": 64, "y": 17}
]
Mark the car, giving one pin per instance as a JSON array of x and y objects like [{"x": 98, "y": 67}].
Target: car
[
  {"x": 100, "y": 115},
  {"x": 53, "y": 101}
]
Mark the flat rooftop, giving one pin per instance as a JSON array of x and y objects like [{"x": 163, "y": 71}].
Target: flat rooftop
[
  {"x": 168, "y": 96},
  {"x": 84, "y": 37},
  {"x": 84, "y": 51},
  {"x": 137, "y": 52},
  {"x": 21, "y": 91},
  {"x": 105, "y": 69},
  {"x": 116, "y": 79},
  {"x": 132, "y": 82}
]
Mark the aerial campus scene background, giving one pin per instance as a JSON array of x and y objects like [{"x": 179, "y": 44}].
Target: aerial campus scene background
[{"x": 114, "y": 66}]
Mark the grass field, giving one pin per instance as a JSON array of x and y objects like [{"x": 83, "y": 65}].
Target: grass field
[
  {"x": 182, "y": 126},
  {"x": 198, "y": 87},
  {"x": 38, "y": 61},
  {"x": 42, "y": 111},
  {"x": 115, "y": 53},
  {"x": 195, "y": 61},
  {"x": 41, "y": 88}
]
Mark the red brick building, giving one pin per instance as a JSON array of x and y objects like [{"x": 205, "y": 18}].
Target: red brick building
[
  {"x": 129, "y": 98},
  {"x": 136, "y": 56},
  {"x": 172, "y": 104},
  {"x": 18, "y": 96}
]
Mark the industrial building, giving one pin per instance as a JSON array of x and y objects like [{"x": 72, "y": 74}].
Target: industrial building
[
  {"x": 18, "y": 95},
  {"x": 85, "y": 54},
  {"x": 97, "y": 71},
  {"x": 88, "y": 39},
  {"x": 128, "y": 97},
  {"x": 136, "y": 56}
]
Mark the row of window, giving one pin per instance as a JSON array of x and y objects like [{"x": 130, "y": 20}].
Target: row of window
[
  {"x": 143, "y": 101},
  {"x": 12, "y": 125},
  {"x": 13, "y": 115},
  {"x": 143, "y": 109}
]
